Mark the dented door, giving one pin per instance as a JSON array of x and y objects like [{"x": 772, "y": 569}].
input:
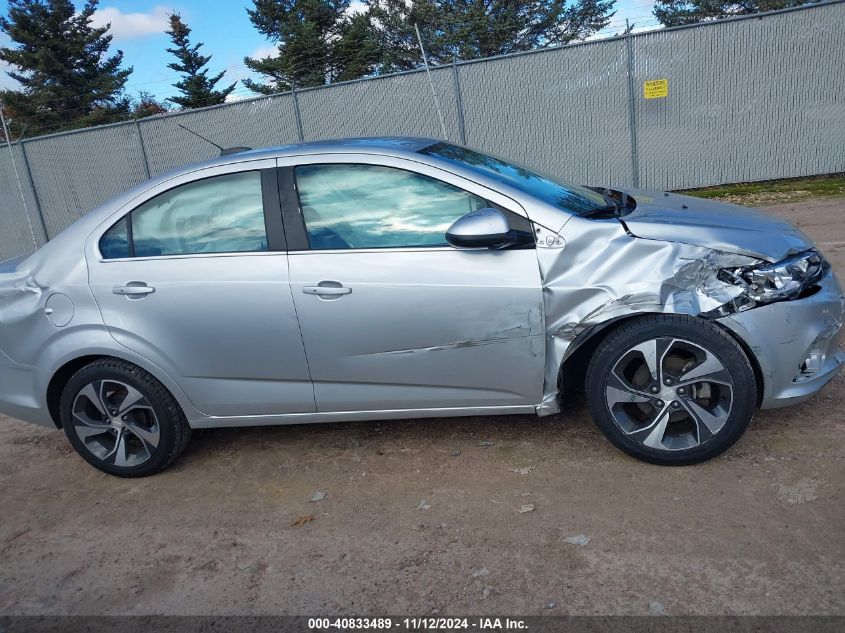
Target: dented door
[{"x": 424, "y": 328}]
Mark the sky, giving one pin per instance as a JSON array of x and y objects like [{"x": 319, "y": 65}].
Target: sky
[{"x": 223, "y": 26}]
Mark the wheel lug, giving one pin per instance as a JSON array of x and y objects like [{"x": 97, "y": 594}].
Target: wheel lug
[
  {"x": 675, "y": 404},
  {"x": 658, "y": 404},
  {"x": 124, "y": 418},
  {"x": 655, "y": 389},
  {"x": 668, "y": 381},
  {"x": 681, "y": 390}
]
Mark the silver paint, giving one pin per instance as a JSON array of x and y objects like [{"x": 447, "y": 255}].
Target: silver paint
[{"x": 240, "y": 339}]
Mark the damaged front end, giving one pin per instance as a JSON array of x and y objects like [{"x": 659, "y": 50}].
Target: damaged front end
[
  {"x": 599, "y": 272},
  {"x": 792, "y": 278}
]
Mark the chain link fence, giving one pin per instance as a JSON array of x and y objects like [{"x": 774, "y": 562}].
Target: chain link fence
[{"x": 748, "y": 99}]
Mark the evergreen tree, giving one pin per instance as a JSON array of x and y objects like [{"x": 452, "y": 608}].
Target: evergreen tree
[
  {"x": 500, "y": 27},
  {"x": 397, "y": 39},
  {"x": 67, "y": 77},
  {"x": 146, "y": 105},
  {"x": 196, "y": 86},
  {"x": 305, "y": 32},
  {"x": 455, "y": 30},
  {"x": 356, "y": 53},
  {"x": 680, "y": 12}
]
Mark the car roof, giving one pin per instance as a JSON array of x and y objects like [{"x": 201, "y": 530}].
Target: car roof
[
  {"x": 381, "y": 145},
  {"x": 360, "y": 145}
]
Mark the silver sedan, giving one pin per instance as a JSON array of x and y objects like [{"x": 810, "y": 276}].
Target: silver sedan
[{"x": 403, "y": 278}]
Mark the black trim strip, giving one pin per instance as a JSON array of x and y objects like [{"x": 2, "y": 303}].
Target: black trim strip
[
  {"x": 519, "y": 224},
  {"x": 273, "y": 224},
  {"x": 130, "y": 240},
  {"x": 297, "y": 237}
]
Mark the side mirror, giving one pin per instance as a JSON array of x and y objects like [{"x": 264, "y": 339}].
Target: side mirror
[{"x": 485, "y": 228}]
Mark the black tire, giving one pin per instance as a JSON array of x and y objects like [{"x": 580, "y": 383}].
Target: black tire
[
  {"x": 172, "y": 431},
  {"x": 617, "y": 353}
]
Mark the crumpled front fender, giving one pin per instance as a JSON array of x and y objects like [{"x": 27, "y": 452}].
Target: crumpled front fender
[{"x": 601, "y": 272}]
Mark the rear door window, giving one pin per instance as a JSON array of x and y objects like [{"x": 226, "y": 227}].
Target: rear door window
[{"x": 222, "y": 214}]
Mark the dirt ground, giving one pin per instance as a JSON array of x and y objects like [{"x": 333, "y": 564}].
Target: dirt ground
[{"x": 423, "y": 516}]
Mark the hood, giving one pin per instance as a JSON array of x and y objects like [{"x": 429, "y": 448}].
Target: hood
[{"x": 726, "y": 227}]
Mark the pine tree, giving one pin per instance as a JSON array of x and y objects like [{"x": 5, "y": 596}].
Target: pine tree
[
  {"x": 680, "y": 12},
  {"x": 67, "y": 77},
  {"x": 457, "y": 30},
  {"x": 396, "y": 36},
  {"x": 305, "y": 33},
  {"x": 356, "y": 53},
  {"x": 196, "y": 86},
  {"x": 146, "y": 105},
  {"x": 504, "y": 26}
]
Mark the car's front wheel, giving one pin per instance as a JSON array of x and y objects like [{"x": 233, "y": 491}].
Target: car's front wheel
[
  {"x": 671, "y": 389},
  {"x": 122, "y": 420}
]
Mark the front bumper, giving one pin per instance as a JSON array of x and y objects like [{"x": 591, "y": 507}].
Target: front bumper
[{"x": 796, "y": 343}]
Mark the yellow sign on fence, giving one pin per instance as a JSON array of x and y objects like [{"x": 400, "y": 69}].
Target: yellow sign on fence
[{"x": 656, "y": 88}]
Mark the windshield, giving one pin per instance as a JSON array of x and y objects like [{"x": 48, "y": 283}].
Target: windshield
[{"x": 572, "y": 198}]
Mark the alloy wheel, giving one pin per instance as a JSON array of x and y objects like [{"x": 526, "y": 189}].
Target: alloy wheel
[
  {"x": 669, "y": 394},
  {"x": 115, "y": 423}
]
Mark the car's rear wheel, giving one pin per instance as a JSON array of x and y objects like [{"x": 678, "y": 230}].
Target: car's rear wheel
[
  {"x": 122, "y": 420},
  {"x": 671, "y": 389}
]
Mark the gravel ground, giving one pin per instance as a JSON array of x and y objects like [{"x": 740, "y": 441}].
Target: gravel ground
[{"x": 424, "y": 515}]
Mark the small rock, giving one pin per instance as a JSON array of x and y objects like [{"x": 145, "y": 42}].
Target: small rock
[
  {"x": 486, "y": 443},
  {"x": 318, "y": 496},
  {"x": 243, "y": 566},
  {"x": 435, "y": 611},
  {"x": 578, "y": 539},
  {"x": 656, "y": 608},
  {"x": 424, "y": 505},
  {"x": 302, "y": 520},
  {"x": 486, "y": 592},
  {"x": 478, "y": 573},
  {"x": 523, "y": 471},
  {"x": 551, "y": 605},
  {"x": 456, "y": 452},
  {"x": 526, "y": 507}
]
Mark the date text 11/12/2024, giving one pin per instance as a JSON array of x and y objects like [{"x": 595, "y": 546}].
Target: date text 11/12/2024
[{"x": 414, "y": 624}]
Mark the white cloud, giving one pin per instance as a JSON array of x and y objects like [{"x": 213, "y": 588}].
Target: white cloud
[
  {"x": 263, "y": 52},
  {"x": 126, "y": 26},
  {"x": 5, "y": 80},
  {"x": 237, "y": 71},
  {"x": 356, "y": 6}
]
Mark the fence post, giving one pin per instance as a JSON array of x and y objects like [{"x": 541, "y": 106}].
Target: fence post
[
  {"x": 143, "y": 149},
  {"x": 459, "y": 103},
  {"x": 296, "y": 114},
  {"x": 632, "y": 114},
  {"x": 31, "y": 180}
]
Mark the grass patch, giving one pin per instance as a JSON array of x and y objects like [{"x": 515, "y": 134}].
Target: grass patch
[{"x": 774, "y": 191}]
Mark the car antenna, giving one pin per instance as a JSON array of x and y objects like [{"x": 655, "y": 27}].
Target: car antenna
[{"x": 224, "y": 151}]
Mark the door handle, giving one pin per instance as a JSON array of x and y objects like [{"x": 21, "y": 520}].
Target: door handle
[
  {"x": 133, "y": 290},
  {"x": 326, "y": 291}
]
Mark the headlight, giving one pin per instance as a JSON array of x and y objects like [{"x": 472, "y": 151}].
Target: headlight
[{"x": 781, "y": 281}]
